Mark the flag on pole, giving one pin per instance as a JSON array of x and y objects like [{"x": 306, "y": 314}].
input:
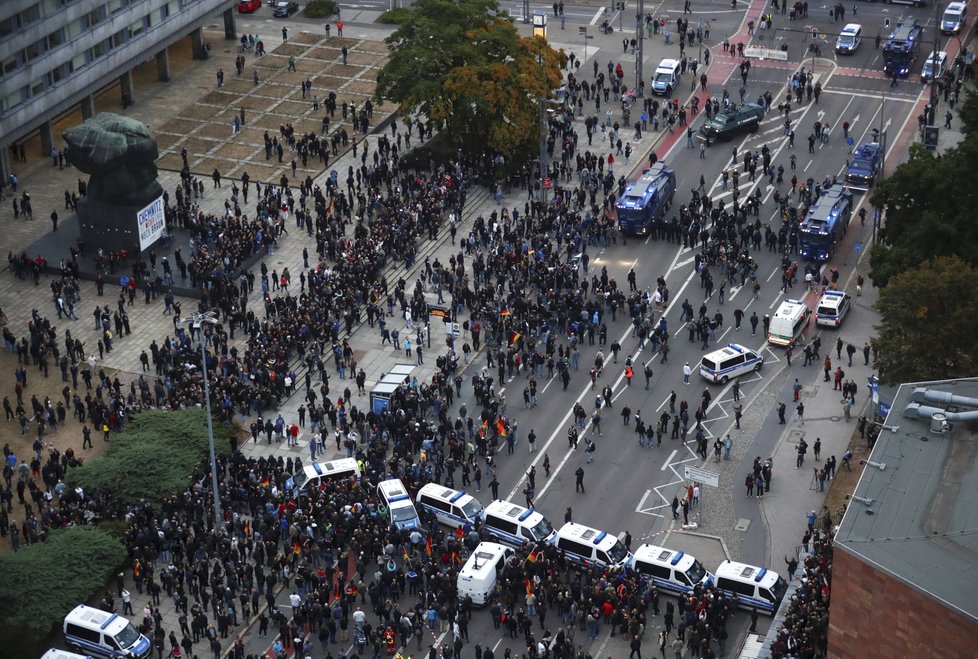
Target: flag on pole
[
  {"x": 529, "y": 587},
  {"x": 514, "y": 337},
  {"x": 427, "y": 547},
  {"x": 532, "y": 558},
  {"x": 500, "y": 428},
  {"x": 504, "y": 312}
]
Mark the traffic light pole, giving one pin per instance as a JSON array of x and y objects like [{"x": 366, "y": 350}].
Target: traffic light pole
[{"x": 639, "y": 51}]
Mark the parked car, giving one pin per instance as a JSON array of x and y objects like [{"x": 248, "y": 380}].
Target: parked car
[
  {"x": 285, "y": 9},
  {"x": 249, "y": 6}
]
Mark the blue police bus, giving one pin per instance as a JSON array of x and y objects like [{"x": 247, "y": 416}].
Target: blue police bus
[
  {"x": 646, "y": 200},
  {"x": 826, "y": 223}
]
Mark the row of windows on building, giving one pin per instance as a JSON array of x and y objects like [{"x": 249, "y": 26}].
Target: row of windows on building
[{"x": 65, "y": 34}]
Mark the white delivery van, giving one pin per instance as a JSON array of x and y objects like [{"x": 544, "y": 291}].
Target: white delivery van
[
  {"x": 485, "y": 566},
  {"x": 450, "y": 507},
  {"x": 102, "y": 634},
  {"x": 730, "y": 362},
  {"x": 788, "y": 322},
  {"x": 832, "y": 308},
  {"x": 319, "y": 473},
  {"x": 400, "y": 508},
  {"x": 586, "y": 546},
  {"x": 670, "y": 570},
  {"x": 751, "y": 587},
  {"x": 515, "y": 525}
]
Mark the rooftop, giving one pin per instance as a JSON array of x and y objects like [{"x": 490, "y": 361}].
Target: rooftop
[{"x": 917, "y": 518}]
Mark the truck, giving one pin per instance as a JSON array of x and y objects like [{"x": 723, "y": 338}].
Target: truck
[
  {"x": 646, "y": 200},
  {"x": 724, "y": 125},
  {"x": 864, "y": 166},
  {"x": 902, "y": 48},
  {"x": 826, "y": 223}
]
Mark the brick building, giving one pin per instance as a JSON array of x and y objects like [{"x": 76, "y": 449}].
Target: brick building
[{"x": 905, "y": 569}]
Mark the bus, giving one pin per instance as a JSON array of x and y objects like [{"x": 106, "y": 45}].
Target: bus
[
  {"x": 646, "y": 200},
  {"x": 826, "y": 223}
]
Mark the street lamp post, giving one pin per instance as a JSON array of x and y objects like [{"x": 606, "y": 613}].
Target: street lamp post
[{"x": 197, "y": 320}]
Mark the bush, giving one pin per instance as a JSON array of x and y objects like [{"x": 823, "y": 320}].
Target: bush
[
  {"x": 395, "y": 16},
  {"x": 43, "y": 582},
  {"x": 319, "y": 9},
  {"x": 153, "y": 458}
]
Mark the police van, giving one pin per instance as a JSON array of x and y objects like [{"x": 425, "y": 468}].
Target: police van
[
  {"x": 450, "y": 507},
  {"x": 672, "y": 571},
  {"x": 400, "y": 509},
  {"x": 103, "y": 634},
  {"x": 935, "y": 66},
  {"x": 751, "y": 587},
  {"x": 64, "y": 654},
  {"x": 478, "y": 577},
  {"x": 586, "y": 546},
  {"x": 849, "y": 39},
  {"x": 319, "y": 473},
  {"x": 954, "y": 17},
  {"x": 730, "y": 362},
  {"x": 515, "y": 525},
  {"x": 832, "y": 308},
  {"x": 666, "y": 77},
  {"x": 787, "y": 324}
]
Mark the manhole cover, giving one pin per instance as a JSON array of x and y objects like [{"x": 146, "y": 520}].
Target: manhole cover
[
  {"x": 742, "y": 525},
  {"x": 834, "y": 418},
  {"x": 794, "y": 436}
]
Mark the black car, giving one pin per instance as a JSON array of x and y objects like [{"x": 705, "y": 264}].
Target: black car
[
  {"x": 285, "y": 9},
  {"x": 728, "y": 123}
]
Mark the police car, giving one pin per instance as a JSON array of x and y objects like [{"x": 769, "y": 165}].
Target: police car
[
  {"x": 832, "y": 308},
  {"x": 954, "y": 16},
  {"x": 849, "y": 39}
]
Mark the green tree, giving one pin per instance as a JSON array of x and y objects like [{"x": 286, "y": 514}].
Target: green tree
[
  {"x": 927, "y": 320},
  {"x": 928, "y": 211},
  {"x": 968, "y": 112},
  {"x": 463, "y": 65},
  {"x": 153, "y": 458},
  {"x": 43, "y": 582}
]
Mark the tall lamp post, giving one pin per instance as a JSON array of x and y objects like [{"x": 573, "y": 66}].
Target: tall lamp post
[{"x": 197, "y": 320}]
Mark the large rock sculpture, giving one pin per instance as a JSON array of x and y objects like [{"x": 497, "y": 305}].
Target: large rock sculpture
[{"x": 120, "y": 155}]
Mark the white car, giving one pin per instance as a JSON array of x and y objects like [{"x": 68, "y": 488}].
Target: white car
[
  {"x": 935, "y": 66},
  {"x": 954, "y": 16},
  {"x": 849, "y": 39}
]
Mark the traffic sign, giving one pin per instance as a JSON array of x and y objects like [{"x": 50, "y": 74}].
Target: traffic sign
[
  {"x": 884, "y": 409},
  {"x": 701, "y": 476}
]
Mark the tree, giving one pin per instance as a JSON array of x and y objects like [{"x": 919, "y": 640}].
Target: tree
[
  {"x": 928, "y": 211},
  {"x": 927, "y": 321},
  {"x": 463, "y": 65},
  {"x": 153, "y": 458},
  {"x": 43, "y": 581},
  {"x": 968, "y": 113}
]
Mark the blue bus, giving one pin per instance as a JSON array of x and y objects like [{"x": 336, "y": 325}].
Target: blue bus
[
  {"x": 646, "y": 200},
  {"x": 902, "y": 48},
  {"x": 826, "y": 223}
]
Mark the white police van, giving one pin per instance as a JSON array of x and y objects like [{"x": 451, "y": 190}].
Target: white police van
[
  {"x": 954, "y": 16},
  {"x": 666, "y": 77},
  {"x": 788, "y": 322},
  {"x": 849, "y": 39},
  {"x": 400, "y": 509},
  {"x": 450, "y": 507},
  {"x": 730, "y": 362},
  {"x": 319, "y": 473},
  {"x": 670, "y": 570},
  {"x": 586, "y": 546},
  {"x": 477, "y": 578},
  {"x": 515, "y": 525},
  {"x": 832, "y": 308},
  {"x": 103, "y": 634},
  {"x": 64, "y": 654},
  {"x": 751, "y": 587}
]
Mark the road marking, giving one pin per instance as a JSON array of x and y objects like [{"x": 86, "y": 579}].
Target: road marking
[
  {"x": 597, "y": 15},
  {"x": 665, "y": 466}
]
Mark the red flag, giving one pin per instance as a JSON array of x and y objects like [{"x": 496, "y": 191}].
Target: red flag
[{"x": 529, "y": 587}]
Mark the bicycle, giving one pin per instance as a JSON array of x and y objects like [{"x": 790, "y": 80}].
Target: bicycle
[{"x": 246, "y": 48}]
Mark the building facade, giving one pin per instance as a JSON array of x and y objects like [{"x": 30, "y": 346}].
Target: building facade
[{"x": 58, "y": 54}]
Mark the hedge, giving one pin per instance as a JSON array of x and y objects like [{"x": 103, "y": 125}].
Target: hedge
[
  {"x": 42, "y": 582},
  {"x": 395, "y": 16},
  {"x": 319, "y": 9},
  {"x": 153, "y": 458}
]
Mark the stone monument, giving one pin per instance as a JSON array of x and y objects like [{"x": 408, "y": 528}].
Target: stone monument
[{"x": 120, "y": 155}]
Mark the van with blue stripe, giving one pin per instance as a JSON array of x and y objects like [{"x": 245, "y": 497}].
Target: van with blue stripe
[
  {"x": 450, "y": 507},
  {"x": 400, "y": 509},
  {"x": 586, "y": 546},
  {"x": 516, "y": 526},
  {"x": 730, "y": 362},
  {"x": 318, "y": 474},
  {"x": 671, "y": 571},
  {"x": 63, "y": 654},
  {"x": 102, "y": 634},
  {"x": 751, "y": 587}
]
